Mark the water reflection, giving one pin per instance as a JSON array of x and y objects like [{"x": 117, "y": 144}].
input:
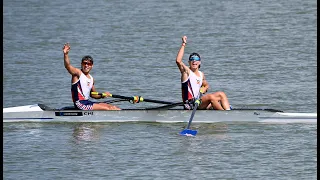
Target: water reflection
[
  {"x": 86, "y": 132},
  {"x": 212, "y": 130},
  {"x": 208, "y": 135}
]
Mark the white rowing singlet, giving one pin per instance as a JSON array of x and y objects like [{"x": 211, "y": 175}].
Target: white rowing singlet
[
  {"x": 191, "y": 87},
  {"x": 81, "y": 89}
]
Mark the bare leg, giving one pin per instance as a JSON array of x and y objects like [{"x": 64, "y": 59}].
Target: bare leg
[
  {"x": 210, "y": 100},
  {"x": 217, "y": 100},
  {"x": 104, "y": 106},
  {"x": 224, "y": 100}
]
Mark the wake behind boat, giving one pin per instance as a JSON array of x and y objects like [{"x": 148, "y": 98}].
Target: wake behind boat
[{"x": 43, "y": 113}]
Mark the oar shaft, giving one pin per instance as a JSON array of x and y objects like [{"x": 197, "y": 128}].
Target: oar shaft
[
  {"x": 122, "y": 97},
  {"x": 133, "y": 98},
  {"x": 141, "y": 99},
  {"x": 193, "y": 113},
  {"x": 157, "y": 101},
  {"x": 166, "y": 106}
]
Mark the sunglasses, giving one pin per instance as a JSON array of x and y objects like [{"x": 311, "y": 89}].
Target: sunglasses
[
  {"x": 86, "y": 63},
  {"x": 194, "y": 58}
]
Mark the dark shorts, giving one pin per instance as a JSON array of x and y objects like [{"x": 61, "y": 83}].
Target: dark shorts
[
  {"x": 189, "y": 104},
  {"x": 84, "y": 104}
]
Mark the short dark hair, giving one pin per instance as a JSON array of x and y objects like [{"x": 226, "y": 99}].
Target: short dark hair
[{"x": 87, "y": 58}]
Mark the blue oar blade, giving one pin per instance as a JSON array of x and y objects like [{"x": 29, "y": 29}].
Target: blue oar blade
[{"x": 188, "y": 132}]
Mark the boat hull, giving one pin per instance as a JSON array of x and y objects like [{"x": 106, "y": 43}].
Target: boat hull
[{"x": 34, "y": 113}]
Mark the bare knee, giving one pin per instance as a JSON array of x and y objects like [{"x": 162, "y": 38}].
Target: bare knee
[
  {"x": 221, "y": 94},
  {"x": 217, "y": 96}
]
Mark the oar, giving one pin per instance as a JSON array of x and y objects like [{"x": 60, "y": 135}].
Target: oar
[
  {"x": 114, "y": 101},
  {"x": 133, "y": 98},
  {"x": 188, "y": 131},
  {"x": 166, "y": 106}
]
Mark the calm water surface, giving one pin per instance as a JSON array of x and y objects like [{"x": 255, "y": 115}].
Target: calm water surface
[
  {"x": 261, "y": 53},
  {"x": 156, "y": 151}
]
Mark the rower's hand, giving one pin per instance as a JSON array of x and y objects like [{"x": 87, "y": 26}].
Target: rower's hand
[
  {"x": 203, "y": 90},
  {"x": 106, "y": 94},
  {"x": 184, "y": 39},
  {"x": 66, "y": 48}
]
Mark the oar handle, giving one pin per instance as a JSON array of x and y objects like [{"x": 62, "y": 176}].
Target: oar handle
[
  {"x": 135, "y": 99},
  {"x": 97, "y": 93}
]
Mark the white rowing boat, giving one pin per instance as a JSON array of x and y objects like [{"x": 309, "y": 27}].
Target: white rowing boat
[{"x": 42, "y": 113}]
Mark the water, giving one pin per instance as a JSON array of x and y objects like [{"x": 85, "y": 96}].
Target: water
[
  {"x": 260, "y": 53},
  {"x": 156, "y": 151}
]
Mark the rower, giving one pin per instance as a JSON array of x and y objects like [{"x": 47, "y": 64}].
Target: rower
[
  {"x": 82, "y": 84},
  {"x": 193, "y": 82}
]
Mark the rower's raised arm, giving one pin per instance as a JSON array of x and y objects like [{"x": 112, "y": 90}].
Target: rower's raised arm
[
  {"x": 182, "y": 67},
  {"x": 72, "y": 70}
]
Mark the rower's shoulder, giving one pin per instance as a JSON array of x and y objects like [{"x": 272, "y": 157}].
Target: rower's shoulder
[{"x": 197, "y": 73}]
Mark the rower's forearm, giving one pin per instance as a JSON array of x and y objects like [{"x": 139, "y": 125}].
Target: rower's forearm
[
  {"x": 66, "y": 60},
  {"x": 96, "y": 96},
  {"x": 180, "y": 53}
]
